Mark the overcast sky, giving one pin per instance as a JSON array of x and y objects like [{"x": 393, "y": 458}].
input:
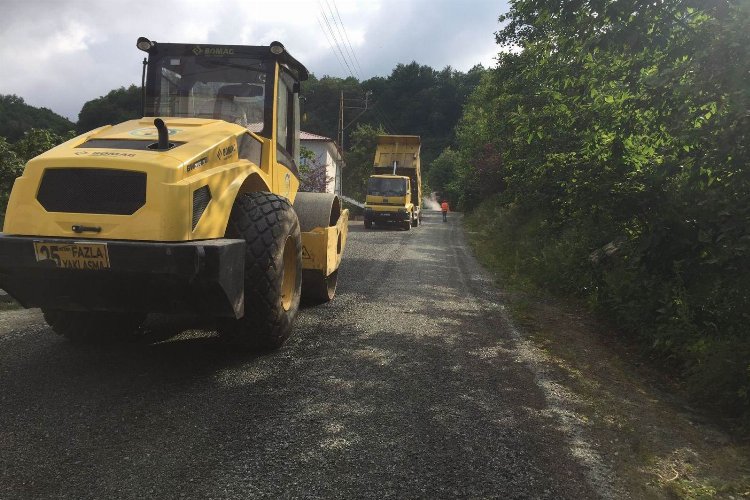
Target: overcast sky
[{"x": 62, "y": 53}]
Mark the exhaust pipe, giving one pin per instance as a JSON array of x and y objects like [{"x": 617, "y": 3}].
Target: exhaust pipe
[{"x": 161, "y": 128}]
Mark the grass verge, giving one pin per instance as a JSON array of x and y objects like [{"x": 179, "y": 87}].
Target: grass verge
[{"x": 657, "y": 445}]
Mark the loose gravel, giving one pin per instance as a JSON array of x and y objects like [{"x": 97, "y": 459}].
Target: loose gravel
[{"x": 409, "y": 385}]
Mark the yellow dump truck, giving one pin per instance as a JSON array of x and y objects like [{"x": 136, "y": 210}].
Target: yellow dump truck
[
  {"x": 394, "y": 192},
  {"x": 193, "y": 208}
]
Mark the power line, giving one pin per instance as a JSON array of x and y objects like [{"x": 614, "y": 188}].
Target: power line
[
  {"x": 330, "y": 44},
  {"x": 347, "y": 48},
  {"x": 336, "y": 42},
  {"x": 347, "y": 55},
  {"x": 347, "y": 37},
  {"x": 335, "y": 46},
  {"x": 387, "y": 124},
  {"x": 385, "y": 121}
]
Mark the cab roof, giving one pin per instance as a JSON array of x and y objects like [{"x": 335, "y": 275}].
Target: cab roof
[{"x": 229, "y": 51}]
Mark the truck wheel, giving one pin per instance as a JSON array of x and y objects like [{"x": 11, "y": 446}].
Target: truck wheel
[
  {"x": 90, "y": 327},
  {"x": 406, "y": 224},
  {"x": 273, "y": 269},
  {"x": 368, "y": 224}
]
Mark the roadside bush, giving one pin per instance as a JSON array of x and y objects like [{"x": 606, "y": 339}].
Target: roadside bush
[
  {"x": 14, "y": 156},
  {"x": 687, "y": 319},
  {"x": 523, "y": 246},
  {"x": 616, "y": 148}
]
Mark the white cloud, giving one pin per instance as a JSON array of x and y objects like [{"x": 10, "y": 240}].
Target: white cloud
[{"x": 81, "y": 49}]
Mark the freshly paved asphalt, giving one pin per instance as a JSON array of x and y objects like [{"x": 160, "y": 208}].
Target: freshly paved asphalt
[{"x": 407, "y": 385}]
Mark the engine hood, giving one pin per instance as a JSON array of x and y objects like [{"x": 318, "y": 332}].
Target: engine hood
[
  {"x": 135, "y": 140},
  {"x": 180, "y": 129}
]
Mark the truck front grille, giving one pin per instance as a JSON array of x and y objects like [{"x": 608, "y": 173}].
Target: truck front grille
[{"x": 92, "y": 191}]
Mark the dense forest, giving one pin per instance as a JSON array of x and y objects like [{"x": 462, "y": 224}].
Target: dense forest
[
  {"x": 607, "y": 157},
  {"x": 17, "y": 117}
]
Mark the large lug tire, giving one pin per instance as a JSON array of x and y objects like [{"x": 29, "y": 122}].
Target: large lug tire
[
  {"x": 273, "y": 270},
  {"x": 93, "y": 327},
  {"x": 406, "y": 224},
  {"x": 368, "y": 224}
]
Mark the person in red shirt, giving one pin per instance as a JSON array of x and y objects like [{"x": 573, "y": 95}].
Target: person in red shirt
[{"x": 444, "y": 208}]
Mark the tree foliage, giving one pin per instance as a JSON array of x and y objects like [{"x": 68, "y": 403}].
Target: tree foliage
[
  {"x": 117, "y": 106},
  {"x": 444, "y": 174},
  {"x": 320, "y": 105},
  {"x": 16, "y": 117},
  {"x": 616, "y": 131},
  {"x": 11, "y": 167},
  {"x": 313, "y": 172},
  {"x": 414, "y": 100},
  {"x": 358, "y": 160},
  {"x": 13, "y": 157}
]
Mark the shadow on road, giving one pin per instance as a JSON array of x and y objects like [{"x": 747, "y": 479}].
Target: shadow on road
[{"x": 404, "y": 386}]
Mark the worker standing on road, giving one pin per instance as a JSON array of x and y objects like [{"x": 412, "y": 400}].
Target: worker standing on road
[{"x": 444, "y": 208}]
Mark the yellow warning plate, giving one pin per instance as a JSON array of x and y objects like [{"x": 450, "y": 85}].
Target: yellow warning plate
[{"x": 91, "y": 256}]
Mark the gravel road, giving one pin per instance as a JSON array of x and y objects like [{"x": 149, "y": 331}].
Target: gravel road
[{"x": 407, "y": 385}]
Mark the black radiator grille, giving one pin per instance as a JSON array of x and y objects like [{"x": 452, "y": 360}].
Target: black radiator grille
[
  {"x": 201, "y": 197},
  {"x": 92, "y": 191}
]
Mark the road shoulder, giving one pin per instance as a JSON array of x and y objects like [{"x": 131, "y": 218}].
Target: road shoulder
[{"x": 638, "y": 424}]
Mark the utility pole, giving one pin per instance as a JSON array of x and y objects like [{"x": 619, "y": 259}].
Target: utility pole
[
  {"x": 341, "y": 143},
  {"x": 342, "y": 107},
  {"x": 343, "y": 127},
  {"x": 341, "y": 122}
]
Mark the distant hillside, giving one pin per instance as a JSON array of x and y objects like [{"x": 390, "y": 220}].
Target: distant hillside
[
  {"x": 17, "y": 117},
  {"x": 117, "y": 106}
]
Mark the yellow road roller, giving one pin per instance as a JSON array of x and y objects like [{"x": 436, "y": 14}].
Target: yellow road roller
[{"x": 193, "y": 208}]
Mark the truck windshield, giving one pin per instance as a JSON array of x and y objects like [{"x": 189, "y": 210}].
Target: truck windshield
[
  {"x": 379, "y": 186},
  {"x": 231, "y": 89}
]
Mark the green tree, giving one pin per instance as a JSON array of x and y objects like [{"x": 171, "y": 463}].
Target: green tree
[
  {"x": 312, "y": 172},
  {"x": 11, "y": 166},
  {"x": 117, "y": 106},
  {"x": 14, "y": 156},
  {"x": 37, "y": 141},
  {"x": 443, "y": 176},
  {"x": 321, "y": 103},
  {"x": 418, "y": 100},
  {"x": 358, "y": 160},
  {"x": 625, "y": 123},
  {"x": 17, "y": 117},
  {"x": 413, "y": 100}
]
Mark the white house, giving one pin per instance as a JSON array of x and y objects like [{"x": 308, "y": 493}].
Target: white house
[{"x": 327, "y": 153}]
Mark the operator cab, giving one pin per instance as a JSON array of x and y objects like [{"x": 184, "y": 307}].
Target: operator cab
[{"x": 233, "y": 83}]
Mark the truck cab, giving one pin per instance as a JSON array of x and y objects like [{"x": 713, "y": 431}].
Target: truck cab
[{"x": 389, "y": 200}]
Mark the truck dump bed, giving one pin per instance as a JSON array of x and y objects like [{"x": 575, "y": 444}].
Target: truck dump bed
[{"x": 404, "y": 151}]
